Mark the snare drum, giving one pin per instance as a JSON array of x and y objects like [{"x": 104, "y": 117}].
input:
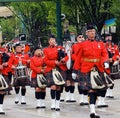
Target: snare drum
[
  {"x": 21, "y": 72},
  {"x": 114, "y": 71}
]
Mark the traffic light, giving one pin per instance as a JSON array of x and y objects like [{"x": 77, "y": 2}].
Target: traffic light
[{"x": 22, "y": 37}]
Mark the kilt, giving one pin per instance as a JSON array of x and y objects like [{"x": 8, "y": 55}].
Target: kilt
[
  {"x": 50, "y": 80},
  {"x": 85, "y": 82},
  {"x": 34, "y": 82},
  {"x": 21, "y": 82},
  {"x": 2, "y": 91},
  {"x": 69, "y": 75},
  {"x": 64, "y": 74}
]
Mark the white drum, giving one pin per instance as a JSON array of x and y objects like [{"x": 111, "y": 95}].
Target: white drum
[{"x": 21, "y": 72}]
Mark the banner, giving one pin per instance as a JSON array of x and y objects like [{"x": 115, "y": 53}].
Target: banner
[{"x": 110, "y": 22}]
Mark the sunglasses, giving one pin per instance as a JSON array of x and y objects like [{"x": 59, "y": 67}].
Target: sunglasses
[{"x": 80, "y": 37}]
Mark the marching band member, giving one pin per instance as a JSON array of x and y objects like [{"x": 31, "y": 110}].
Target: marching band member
[
  {"x": 16, "y": 59},
  {"x": 38, "y": 66},
  {"x": 75, "y": 51},
  {"x": 92, "y": 54},
  {"x": 113, "y": 53},
  {"x": 70, "y": 84},
  {"x": 2, "y": 90},
  {"x": 101, "y": 93},
  {"x": 51, "y": 53},
  {"x": 7, "y": 71},
  {"x": 69, "y": 87}
]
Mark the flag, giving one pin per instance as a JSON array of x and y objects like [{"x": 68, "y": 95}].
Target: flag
[{"x": 110, "y": 22}]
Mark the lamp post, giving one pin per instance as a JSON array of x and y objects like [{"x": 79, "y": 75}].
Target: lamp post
[{"x": 58, "y": 15}]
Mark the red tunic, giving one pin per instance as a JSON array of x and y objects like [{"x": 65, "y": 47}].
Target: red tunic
[
  {"x": 52, "y": 55},
  {"x": 113, "y": 49},
  {"x": 92, "y": 53},
  {"x": 75, "y": 50},
  {"x": 36, "y": 65},
  {"x": 0, "y": 60},
  {"x": 7, "y": 69},
  {"x": 15, "y": 58},
  {"x": 4, "y": 70}
]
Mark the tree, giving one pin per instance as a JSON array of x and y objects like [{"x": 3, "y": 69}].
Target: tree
[
  {"x": 86, "y": 11},
  {"x": 33, "y": 17},
  {"x": 114, "y": 9},
  {"x": 8, "y": 28},
  {"x": 39, "y": 19}
]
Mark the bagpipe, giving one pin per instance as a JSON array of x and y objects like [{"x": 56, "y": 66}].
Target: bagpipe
[
  {"x": 99, "y": 80},
  {"x": 5, "y": 57},
  {"x": 57, "y": 77},
  {"x": 61, "y": 54}
]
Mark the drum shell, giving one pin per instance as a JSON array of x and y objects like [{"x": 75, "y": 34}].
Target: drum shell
[
  {"x": 21, "y": 72},
  {"x": 115, "y": 72}
]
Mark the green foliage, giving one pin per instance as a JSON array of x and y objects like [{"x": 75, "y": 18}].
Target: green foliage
[
  {"x": 34, "y": 17},
  {"x": 72, "y": 29},
  {"x": 51, "y": 6},
  {"x": 39, "y": 18},
  {"x": 8, "y": 28}
]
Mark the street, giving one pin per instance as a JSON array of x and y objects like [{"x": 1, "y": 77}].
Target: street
[{"x": 67, "y": 110}]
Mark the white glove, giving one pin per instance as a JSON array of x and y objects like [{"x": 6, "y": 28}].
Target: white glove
[
  {"x": 74, "y": 76},
  {"x": 115, "y": 63},
  {"x": 106, "y": 65}
]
